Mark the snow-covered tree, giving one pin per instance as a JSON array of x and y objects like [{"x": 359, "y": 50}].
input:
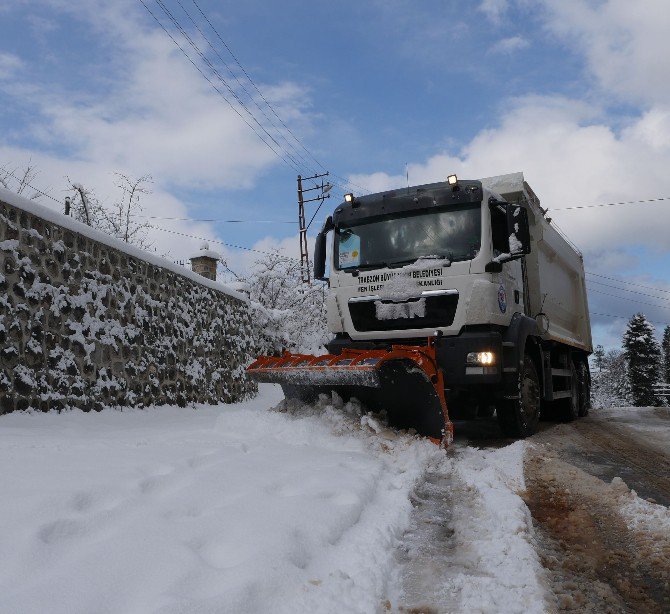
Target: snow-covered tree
[
  {"x": 289, "y": 314},
  {"x": 610, "y": 386},
  {"x": 666, "y": 354},
  {"x": 643, "y": 355}
]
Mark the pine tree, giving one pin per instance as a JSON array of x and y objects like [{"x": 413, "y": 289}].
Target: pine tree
[
  {"x": 643, "y": 355},
  {"x": 666, "y": 354}
]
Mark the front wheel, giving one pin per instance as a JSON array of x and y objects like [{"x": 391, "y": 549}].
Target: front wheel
[{"x": 519, "y": 417}]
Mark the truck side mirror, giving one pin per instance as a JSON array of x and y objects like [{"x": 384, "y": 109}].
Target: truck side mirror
[
  {"x": 518, "y": 231},
  {"x": 320, "y": 250}
]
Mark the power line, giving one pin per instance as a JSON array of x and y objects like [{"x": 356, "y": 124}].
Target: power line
[
  {"x": 232, "y": 106},
  {"x": 216, "y": 220},
  {"x": 630, "y": 283},
  {"x": 32, "y": 187},
  {"x": 629, "y": 202},
  {"x": 609, "y": 315},
  {"x": 272, "y": 109},
  {"x": 294, "y": 164},
  {"x": 244, "y": 89},
  {"x": 214, "y": 70},
  {"x": 593, "y": 281},
  {"x": 633, "y": 300},
  {"x": 242, "y": 247}
]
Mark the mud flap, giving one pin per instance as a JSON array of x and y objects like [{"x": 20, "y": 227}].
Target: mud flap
[{"x": 404, "y": 381}]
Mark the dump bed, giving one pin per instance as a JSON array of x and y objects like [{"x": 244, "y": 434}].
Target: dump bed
[{"x": 554, "y": 270}]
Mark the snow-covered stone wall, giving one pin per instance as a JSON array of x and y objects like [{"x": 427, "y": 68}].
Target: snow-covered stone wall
[{"x": 88, "y": 321}]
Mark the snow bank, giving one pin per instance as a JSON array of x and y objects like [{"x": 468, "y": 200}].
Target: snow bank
[{"x": 219, "y": 509}]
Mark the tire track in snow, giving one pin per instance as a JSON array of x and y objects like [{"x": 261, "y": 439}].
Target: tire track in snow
[{"x": 470, "y": 547}]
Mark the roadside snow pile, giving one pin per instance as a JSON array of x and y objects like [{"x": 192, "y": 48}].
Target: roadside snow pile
[
  {"x": 223, "y": 509},
  {"x": 649, "y": 521}
]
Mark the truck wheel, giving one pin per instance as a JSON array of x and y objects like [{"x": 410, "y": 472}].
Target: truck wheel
[
  {"x": 570, "y": 407},
  {"x": 519, "y": 417},
  {"x": 584, "y": 390}
]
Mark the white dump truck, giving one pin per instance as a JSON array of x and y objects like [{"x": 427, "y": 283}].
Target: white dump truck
[{"x": 451, "y": 299}]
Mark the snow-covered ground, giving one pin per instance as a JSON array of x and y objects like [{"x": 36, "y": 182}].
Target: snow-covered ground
[{"x": 241, "y": 509}]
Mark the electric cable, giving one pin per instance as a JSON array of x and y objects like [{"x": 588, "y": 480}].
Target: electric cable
[
  {"x": 610, "y": 315},
  {"x": 244, "y": 89},
  {"x": 215, "y": 71},
  {"x": 630, "y": 283},
  {"x": 232, "y": 106},
  {"x": 593, "y": 281},
  {"x": 633, "y": 300},
  {"x": 246, "y": 74},
  {"x": 629, "y": 202}
]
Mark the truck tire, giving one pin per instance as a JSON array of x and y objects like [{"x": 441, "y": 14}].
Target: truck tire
[
  {"x": 584, "y": 389},
  {"x": 519, "y": 417}
]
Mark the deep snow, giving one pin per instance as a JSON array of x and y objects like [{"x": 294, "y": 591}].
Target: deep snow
[
  {"x": 219, "y": 509},
  {"x": 241, "y": 509}
]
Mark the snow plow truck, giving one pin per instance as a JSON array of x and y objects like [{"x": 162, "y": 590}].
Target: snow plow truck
[{"x": 451, "y": 300}]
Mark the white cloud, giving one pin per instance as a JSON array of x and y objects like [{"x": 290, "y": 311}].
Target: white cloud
[
  {"x": 625, "y": 44},
  {"x": 494, "y": 9},
  {"x": 511, "y": 44},
  {"x": 9, "y": 65},
  {"x": 146, "y": 111},
  {"x": 570, "y": 158}
]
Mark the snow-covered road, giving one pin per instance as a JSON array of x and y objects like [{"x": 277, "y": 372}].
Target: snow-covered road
[{"x": 302, "y": 509}]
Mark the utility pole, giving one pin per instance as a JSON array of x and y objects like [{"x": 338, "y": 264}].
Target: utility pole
[{"x": 324, "y": 188}]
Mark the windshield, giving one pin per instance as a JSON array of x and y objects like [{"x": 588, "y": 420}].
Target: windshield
[{"x": 454, "y": 234}]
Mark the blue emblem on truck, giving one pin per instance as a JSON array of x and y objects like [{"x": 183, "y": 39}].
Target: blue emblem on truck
[{"x": 502, "y": 299}]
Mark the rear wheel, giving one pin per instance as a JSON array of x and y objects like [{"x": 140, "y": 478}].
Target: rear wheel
[{"x": 519, "y": 417}]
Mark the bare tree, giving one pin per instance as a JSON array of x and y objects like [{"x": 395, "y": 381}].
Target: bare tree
[
  {"x": 19, "y": 180},
  {"x": 119, "y": 220},
  {"x": 124, "y": 213}
]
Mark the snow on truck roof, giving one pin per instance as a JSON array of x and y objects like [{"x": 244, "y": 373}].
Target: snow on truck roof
[{"x": 68, "y": 223}]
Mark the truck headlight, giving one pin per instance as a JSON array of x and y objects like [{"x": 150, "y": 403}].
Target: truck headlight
[{"x": 480, "y": 359}]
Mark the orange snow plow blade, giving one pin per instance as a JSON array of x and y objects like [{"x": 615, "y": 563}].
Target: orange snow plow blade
[{"x": 404, "y": 381}]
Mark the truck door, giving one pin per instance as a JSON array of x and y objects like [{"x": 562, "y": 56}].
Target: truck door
[{"x": 513, "y": 274}]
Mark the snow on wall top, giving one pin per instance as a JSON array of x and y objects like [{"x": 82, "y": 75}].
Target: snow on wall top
[{"x": 67, "y": 222}]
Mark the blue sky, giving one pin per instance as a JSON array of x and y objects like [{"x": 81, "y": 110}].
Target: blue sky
[{"x": 574, "y": 93}]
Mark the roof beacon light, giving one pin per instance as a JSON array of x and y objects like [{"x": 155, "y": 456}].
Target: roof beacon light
[
  {"x": 348, "y": 198},
  {"x": 452, "y": 180}
]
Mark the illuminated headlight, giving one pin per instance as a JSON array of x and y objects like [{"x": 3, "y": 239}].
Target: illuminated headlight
[
  {"x": 481, "y": 359},
  {"x": 452, "y": 180},
  {"x": 348, "y": 198}
]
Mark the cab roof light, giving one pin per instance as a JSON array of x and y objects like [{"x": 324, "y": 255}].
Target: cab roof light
[
  {"x": 349, "y": 198},
  {"x": 452, "y": 180}
]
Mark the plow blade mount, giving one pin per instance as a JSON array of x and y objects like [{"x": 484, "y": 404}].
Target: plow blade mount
[{"x": 404, "y": 381}]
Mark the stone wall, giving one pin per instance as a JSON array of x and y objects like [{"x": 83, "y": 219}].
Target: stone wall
[{"x": 88, "y": 321}]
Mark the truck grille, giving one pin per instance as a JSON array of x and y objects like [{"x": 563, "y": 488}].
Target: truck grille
[{"x": 440, "y": 311}]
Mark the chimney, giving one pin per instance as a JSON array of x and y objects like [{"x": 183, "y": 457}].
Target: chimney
[{"x": 204, "y": 262}]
